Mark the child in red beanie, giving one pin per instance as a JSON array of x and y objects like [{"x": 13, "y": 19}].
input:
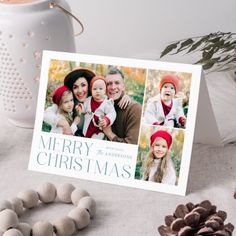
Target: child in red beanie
[
  {"x": 63, "y": 99},
  {"x": 158, "y": 167},
  {"x": 165, "y": 109},
  {"x": 99, "y": 111}
]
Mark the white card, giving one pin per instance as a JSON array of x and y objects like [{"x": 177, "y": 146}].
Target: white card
[{"x": 155, "y": 156}]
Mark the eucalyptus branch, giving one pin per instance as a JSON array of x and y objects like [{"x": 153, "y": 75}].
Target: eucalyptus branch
[
  {"x": 202, "y": 36},
  {"x": 217, "y": 49}
]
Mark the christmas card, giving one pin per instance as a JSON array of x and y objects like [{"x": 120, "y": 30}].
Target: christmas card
[{"x": 116, "y": 120}]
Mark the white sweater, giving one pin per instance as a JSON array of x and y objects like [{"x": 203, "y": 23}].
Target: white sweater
[
  {"x": 154, "y": 111},
  {"x": 52, "y": 116},
  {"x": 169, "y": 176},
  {"x": 106, "y": 108}
]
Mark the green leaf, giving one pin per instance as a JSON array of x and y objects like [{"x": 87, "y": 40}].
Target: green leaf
[
  {"x": 185, "y": 44},
  {"x": 201, "y": 61},
  {"x": 215, "y": 40},
  {"x": 208, "y": 54},
  {"x": 228, "y": 36},
  {"x": 204, "y": 61},
  {"x": 215, "y": 59},
  {"x": 208, "y": 47},
  {"x": 208, "y": 66},
  {"x": 228, "y": 49},
  {"x": 232, "y": 60},
  {"x": 196, "y": 45},
  {"x": 225, "y": 58},
  {"x": 221, "y": 43},
  {"x": 214, "y": 46},
  {"x": 230, "y": 46},
  {"x": 227, "y": 44},
  {"x": 226, "y": 68},
  {"x": 169, "y": 48}
]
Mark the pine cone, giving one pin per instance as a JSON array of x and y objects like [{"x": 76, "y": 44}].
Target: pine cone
[{"x": 192, "y": 220}]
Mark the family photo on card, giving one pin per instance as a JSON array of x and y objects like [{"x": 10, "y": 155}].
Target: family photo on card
[
  {"x": 98, "y": 106},
  {"x": 132, "y": 114}
]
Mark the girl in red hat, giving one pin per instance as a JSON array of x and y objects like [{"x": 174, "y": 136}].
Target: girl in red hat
[
  {"x": 98, "y": 109},
  {"x": 63, "y": 99},
  {"x": 165, "y": 109},
  {"x": 158, "y": 167}
]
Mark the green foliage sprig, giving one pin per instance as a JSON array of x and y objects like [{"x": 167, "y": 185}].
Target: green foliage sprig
[{"x": 218, "y": 50}]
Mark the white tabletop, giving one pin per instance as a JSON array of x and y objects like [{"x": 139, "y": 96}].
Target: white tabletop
[{"x": 120, "y": 210}]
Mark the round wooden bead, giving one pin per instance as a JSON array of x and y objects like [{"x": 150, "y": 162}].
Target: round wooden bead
[
  {"x": 42, "y": 228},
  {"x": 77, "y": 194},
  {"x": 89, "y": 204},
  {"x": 29, "y": 198},
  {"x": 64, "y": 192},
  {"x": 80, "y": 216},
  {"x": 8, "y": 219},
  {"x": 18, "y": 205},
  {"x": 13, "y": 232},
  {"x": 24, "y": 228},
  {"x": 47, "y": 192},
  {"x": 64, "y": 226},
  {"x": 6, "y": 205}
]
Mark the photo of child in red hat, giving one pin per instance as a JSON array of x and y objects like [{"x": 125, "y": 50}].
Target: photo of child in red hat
[
  {"x": 98, "y": 110},
  {"x": 63, "y": 99},
  {"x": 158, "y": 166},
  {"x": 165, "y": 108},
  {"x": 159, "y": 154}
]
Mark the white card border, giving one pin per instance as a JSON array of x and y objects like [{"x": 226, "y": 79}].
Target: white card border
[{"x": 195, "y": 70}]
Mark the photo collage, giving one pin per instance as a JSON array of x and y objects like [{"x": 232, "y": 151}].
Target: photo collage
[{"x": 130, "y": 105}]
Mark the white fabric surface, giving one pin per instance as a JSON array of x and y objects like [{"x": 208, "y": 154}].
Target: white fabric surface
[
  {"x": 222, "y": 91},
  {"x": 120, "y": 210}
]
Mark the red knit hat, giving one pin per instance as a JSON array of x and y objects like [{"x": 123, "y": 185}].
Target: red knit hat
[
  {"x": 173, "y": 79},
  {"x": 95, "y": 78},
  {"x": 162, "y": 134},
  {"x": 56, "y": 97}
]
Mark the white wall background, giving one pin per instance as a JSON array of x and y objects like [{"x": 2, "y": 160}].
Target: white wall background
[{"x": 142, "y": 28}]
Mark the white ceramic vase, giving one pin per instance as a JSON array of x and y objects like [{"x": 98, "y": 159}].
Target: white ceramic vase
[{"x": 25, "y": 30}]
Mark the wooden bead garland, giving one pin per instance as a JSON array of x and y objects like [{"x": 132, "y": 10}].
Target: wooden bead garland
[
  {"x": 64, "y": 192},
  {"x": 78, "y": 218}
]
